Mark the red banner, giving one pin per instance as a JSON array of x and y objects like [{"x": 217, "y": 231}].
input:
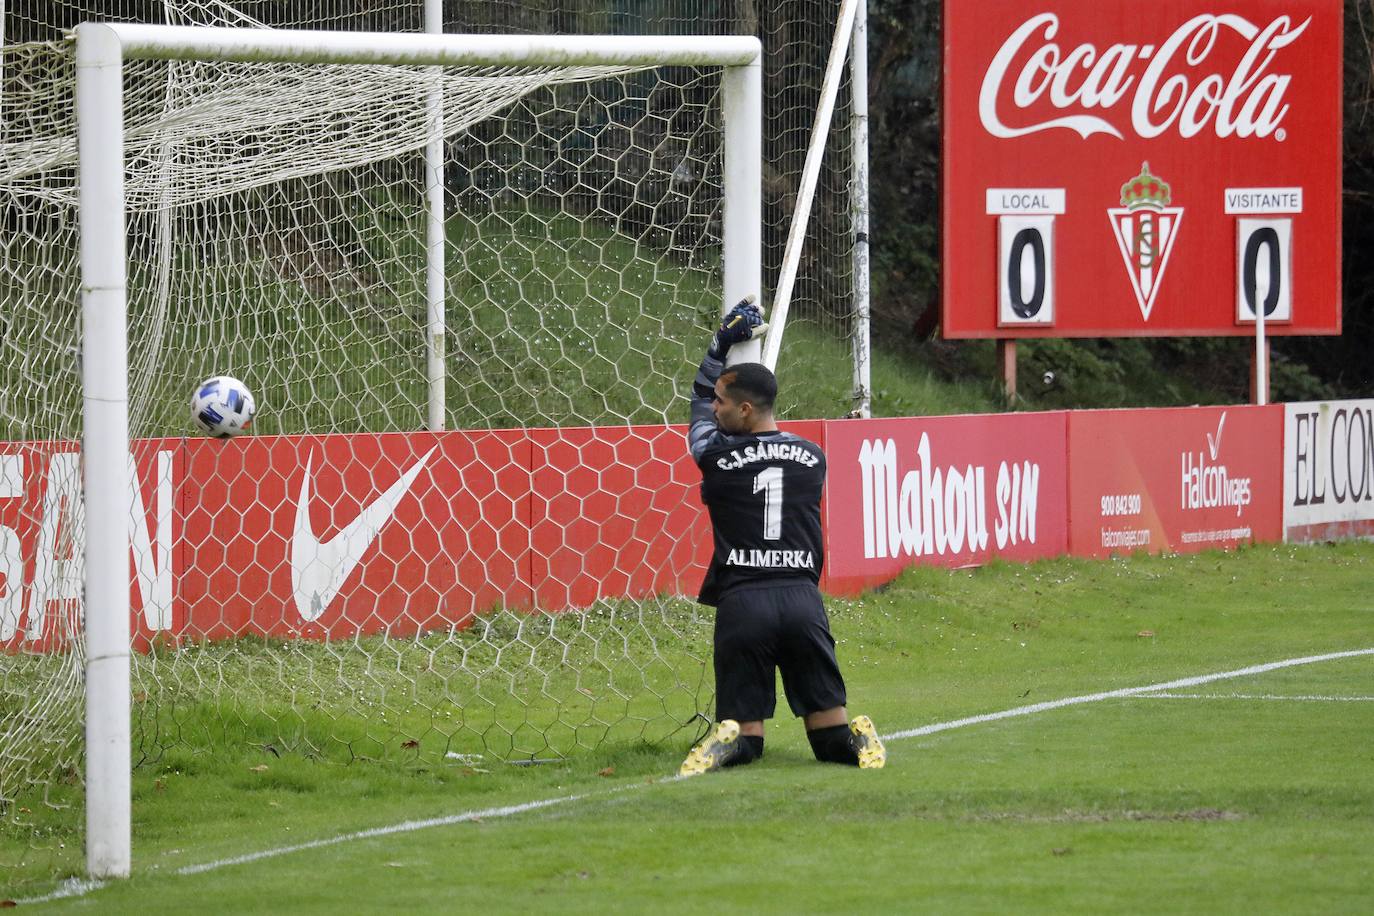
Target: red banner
[
  {"x": 337, "y": 535},
  {"x": 1115, "y": 169},
  {"x": 42, "y": 533},
  {"x": 951, "y": 491},
  {"x": 1188, "y": 479},
  {"x": 615, "y": 514},
  {"x": 334, "y": 536}
]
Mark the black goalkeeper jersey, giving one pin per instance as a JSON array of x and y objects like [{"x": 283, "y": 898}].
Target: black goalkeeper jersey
[{"x": 763, "y": 493}]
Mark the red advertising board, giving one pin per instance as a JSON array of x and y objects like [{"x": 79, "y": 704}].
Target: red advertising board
[
  {"x": 948, "y": 491},
  {"x": 1185, "y": 479},
  {"x": 1113, "y": 169},
  {"x": 42, "y": 530},
  {"x": 40, "y": 510},
  {"x": 331, "y": 536},
  {"x": 615, "y": 514},
  {"x": 336, "y": 536}
]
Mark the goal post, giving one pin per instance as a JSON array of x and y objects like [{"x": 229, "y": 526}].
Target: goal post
[{"x": 101, "y": 52}]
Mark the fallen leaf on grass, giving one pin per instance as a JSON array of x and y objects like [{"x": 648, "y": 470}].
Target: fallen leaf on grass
[
  {"x": 1146, "y": 633},
  {"x": 260, "y": 768},
  {"x": 608, "y": 771}
]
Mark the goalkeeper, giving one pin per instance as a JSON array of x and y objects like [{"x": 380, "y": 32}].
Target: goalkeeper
[{"x": 762, "y": 488}]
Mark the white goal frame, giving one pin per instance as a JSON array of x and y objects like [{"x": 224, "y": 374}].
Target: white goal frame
[{"x": 101, "y": 50}]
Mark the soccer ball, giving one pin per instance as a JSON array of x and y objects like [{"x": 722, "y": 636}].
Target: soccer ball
[{"x": 222, "y": 406}]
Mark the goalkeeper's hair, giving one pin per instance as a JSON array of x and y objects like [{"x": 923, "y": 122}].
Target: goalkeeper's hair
[{"x": 752, "y": 382}]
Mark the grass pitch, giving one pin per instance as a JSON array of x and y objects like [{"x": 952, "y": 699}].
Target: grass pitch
[{"x": 1245, "y": 794}]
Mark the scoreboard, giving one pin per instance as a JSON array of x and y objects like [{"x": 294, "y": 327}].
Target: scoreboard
[{"x": 1121, "y": 169}]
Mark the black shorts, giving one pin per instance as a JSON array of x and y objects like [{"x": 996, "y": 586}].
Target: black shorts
[{"x": 760, "y": 627}]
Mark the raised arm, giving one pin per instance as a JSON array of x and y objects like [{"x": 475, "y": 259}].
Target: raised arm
[{"x": 744, "y": 322}]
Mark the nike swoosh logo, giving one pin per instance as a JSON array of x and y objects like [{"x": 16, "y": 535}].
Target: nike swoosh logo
[
  {"x": 1214, "y": 445},
  {"x": 320, "y": 568}
]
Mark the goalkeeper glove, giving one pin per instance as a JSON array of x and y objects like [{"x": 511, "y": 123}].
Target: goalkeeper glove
[{"x": 744, "y": 322}]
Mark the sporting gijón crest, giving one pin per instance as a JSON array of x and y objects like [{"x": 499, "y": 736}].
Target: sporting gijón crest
[{"x": 1145, "y": 227}]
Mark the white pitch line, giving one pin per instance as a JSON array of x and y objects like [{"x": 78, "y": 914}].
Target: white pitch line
[
  {"x": 1251, "y": 696},
  {"x": 1125, "y": 692},
  {"x": 404, "y": 827},
  {"x": 77, "y": 889},
  {"x": 72, "y": 887}
]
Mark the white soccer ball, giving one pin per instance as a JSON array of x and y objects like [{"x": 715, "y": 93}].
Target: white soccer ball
[{"x": 222, "y": 406}]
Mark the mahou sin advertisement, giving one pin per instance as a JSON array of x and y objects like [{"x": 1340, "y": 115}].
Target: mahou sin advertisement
[
  {"x": 1121, "y": 169},
  {"x": 946, "y": 491}
]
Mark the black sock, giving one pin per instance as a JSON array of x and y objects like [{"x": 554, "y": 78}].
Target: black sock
[
  {"x": 748, "y": 749},
  {"x": 832, "y": 745}
]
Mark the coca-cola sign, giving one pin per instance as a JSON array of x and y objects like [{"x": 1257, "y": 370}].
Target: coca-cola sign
[
  {"x": 1073, "y": 98},
  {"x": 1179, "y": 85}
]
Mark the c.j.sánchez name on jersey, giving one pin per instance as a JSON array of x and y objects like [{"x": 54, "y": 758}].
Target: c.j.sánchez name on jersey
[
  {"x": 763, "y": 493},
  {"x": 769, "y": 451}
]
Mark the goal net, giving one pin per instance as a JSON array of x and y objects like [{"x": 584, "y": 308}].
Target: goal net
[{"x": 463, "y": 526}]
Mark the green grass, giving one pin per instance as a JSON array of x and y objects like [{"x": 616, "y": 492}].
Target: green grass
[{"x": 1178, "y": 805}]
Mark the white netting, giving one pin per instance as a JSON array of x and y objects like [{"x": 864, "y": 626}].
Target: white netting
[
  {"x": 277, "y": 232},
  {"x": 284, "y": 243}
]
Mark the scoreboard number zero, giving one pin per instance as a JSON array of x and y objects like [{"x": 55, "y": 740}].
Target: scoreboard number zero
[
  {"x": 1264, "y": 269},
  {"x": 1025, "y": 253}
]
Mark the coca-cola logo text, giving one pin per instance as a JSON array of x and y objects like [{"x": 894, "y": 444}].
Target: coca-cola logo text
[{"x": 1183, "y": 84}]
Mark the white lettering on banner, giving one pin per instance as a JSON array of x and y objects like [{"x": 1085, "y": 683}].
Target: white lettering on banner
[
  {"x": 60, "y": 554},
  {"x": 1247, "y": 101},
  {"x": 1125, "y": 537},
  {"x": 1208, "y": 486},
  {"x": 59, "y": 551},
  {"x": 1121, "y": 504},
  {"x": 11, "y": 552},
  {"x": 153, "y": 574},
  {"x": 934, "y": 511}
]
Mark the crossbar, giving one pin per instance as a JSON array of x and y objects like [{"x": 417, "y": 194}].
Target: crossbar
[{"x": 160, "y": 42}]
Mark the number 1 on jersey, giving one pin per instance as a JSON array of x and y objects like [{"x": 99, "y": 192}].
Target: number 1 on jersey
[{"x": 769, "y": 481}]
